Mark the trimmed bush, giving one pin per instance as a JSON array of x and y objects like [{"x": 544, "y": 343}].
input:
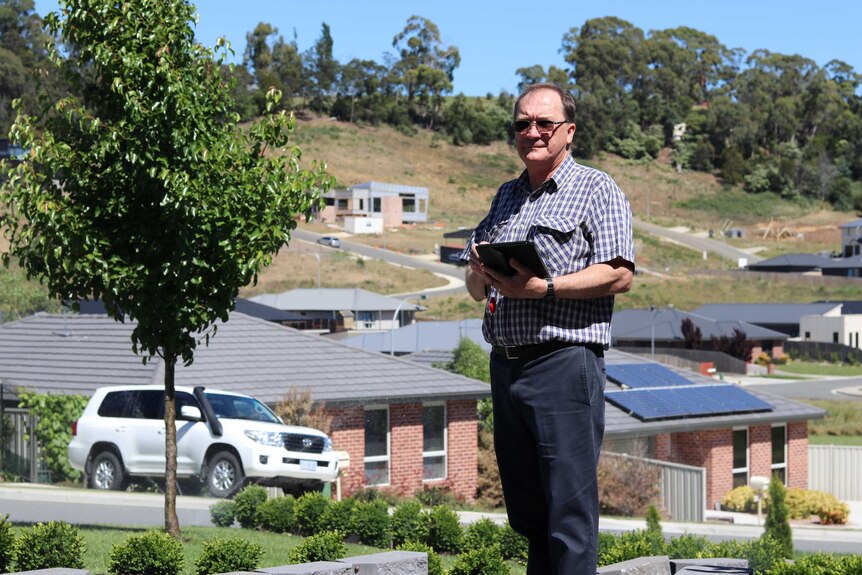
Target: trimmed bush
[
  {"x": 435, "y": 564},
  {"x": 52, "y": 544},
  {"x": 686, "y": 546},
  {"x": 228, "y": 555},
  {"x": 308, "y": 512},
  {"x": 739, "y": 500},
  {"x": 246, "y": 503},
  {"x": 515, "y": 546},
  {"x": 630, "y": 545},
  {"x": 482, "y": 561},
  {"x": 444, "y": 530},
  {"x": 339, "y": 517},
  {"x": 277, "y": 514},
  {"x": 223, "y": 513},
  {"x": 153, "y": 553},
  {"x": 436, "y": 496},
  {"x": 371, "y": 523},
  {"x": 763, "y": 554},
  {"x": 7, "y": 544},
  {"x": 481, "y": 533},
  {"x": 407, "y": 523},
  {"x": 325, "y": 546}
]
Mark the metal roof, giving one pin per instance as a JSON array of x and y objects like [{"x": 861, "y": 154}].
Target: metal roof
[
  {"x": 664, "y": 324},
  {"x": 792, "y": 260},
  {"x": 332, "y": 299},
  {"x": 55, "y": 353},
  {"x": 421, "y": 336}
]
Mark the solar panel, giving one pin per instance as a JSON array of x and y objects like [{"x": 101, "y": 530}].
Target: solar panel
[
  {"x": 652, "y": 404},
  {"x": 637, "y": 375}
]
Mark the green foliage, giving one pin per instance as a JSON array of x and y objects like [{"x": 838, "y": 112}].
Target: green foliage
[
  {"x": 475, "y": 121},
  {"x": 339, "y": 516},
  {"x": 821, "y": 564},
  {"x": 20, "y": 297},
  {"x": 444, "y": 530},
  {"x": 686, "y": 546},
  {"x": 324, "y": 546},
  {"x": 246, "y": 505},
  {"x": 763, "y": 554},
  {"x": 371, "y": 523},
  {"x": 223, "y": 513},
  {"x": 513, "y": 545},
  {"x": 653, "y": 520},
  {"x": 481, "y": 533},
  {"x": 227, "y": 556},
  {"x": 435, "y": 564},
  {"x": 481, "y": 561},
  {"x": 276, "y": 514},
  {"x": 739, "y": 499},
  {"x": 7, "y": 544},
  {"x": 436, "y": 495},
  {"x": 153, "y": 553},
  {"x": 53, "y": 432},
  {"x": 308, "y": 512},
  {"x": 407, "y": 523},
  {"x": 46, "y": 545},
  {"x": 631, "y": 545},
  {"x": 470, "y": 360},
  {"x": 777, "y": 524}
]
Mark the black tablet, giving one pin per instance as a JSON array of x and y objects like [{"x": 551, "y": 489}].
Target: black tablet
[{"x": 497, "y": 256}]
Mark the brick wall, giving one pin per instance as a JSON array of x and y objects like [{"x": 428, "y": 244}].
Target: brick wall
[
  {"x": 712, "y": 449},
  {"x": 406, "y": 446},
  {"x": 797, "y": 454},
  {"x": 760, "y": 450}
]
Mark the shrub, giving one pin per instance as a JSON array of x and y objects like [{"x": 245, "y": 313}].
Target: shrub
[
  {"x": 47, "y": 545},
  {"x": 739, "y": 499},
  {"x": 435, "y": 496},
  {"x": 7, "y": 544},
  {"x": 515, "y": 546},
  {"x": 375, "y": 493},
  {"x": 686, "y": 546},
  {"x": 489, "y": 489},
  {"x": 277, "y": 514},
  {"x": 223, "y": 513},
  {"x": 408, "y": 524},
  {"x": 298, "y": 408},
  {"x": 309, "y": 510},
  {"x": 339, "y": 517},
  {"x": 653, "y": 520},
  {"x": 324, "y": 546},
  {"x": 435, "y": 564},
  {"x": 153, "y": 553},
  {"x": 246, "y": 503},
  {"x": 371, "y": 523},
  {"x": 777, "y": 524},
  {"x": 228, "y": 555},
  {"x": 482, "y": 561},
  {"x": 481, "y": 533},
  {"x": 627, "y": 486},
  {"x": 763, "y": 554},
  {"x": 631, "y": 545},
  {"x": 444, "y": 530}
]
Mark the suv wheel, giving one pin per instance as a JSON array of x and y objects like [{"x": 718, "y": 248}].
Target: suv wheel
[
  {"x": 107, "y": 472},
  {"x": 224, "y": 474}
]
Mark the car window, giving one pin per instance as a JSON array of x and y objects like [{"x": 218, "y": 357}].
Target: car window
[
  {"x": 150, "y": 404},
  {"x": 237, "y": 407},
  {"x": 116, "y": 403}
]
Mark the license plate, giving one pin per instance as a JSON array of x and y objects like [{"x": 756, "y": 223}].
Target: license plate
[{"x": 308, "y": 465}]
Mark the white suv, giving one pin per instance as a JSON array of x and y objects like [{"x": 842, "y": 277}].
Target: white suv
[{"x": 223, "y": 440}]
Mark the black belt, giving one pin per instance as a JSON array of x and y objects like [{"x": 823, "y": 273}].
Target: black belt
[{"x": 527, "y": 352}]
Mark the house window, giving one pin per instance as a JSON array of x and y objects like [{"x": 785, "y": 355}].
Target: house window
[
  {"x": 834, "y": 337},
  {"x": 377, "y": 446},
  {"x": 366, "y": 318},
  {"x": 375, "y": 205},
  {"x": 361, "y": 204},
  {"x": 434, "y": 441},
  {"x": 740, "y": 457},
  {"x": 341, "y": 204},
  {"x": 779, "y": 452},
  {"x": 807, "y": 335},
  {"x": 408, "y": 205}
]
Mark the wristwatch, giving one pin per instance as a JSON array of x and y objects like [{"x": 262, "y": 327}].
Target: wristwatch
[{"x": 550, "y": 293}]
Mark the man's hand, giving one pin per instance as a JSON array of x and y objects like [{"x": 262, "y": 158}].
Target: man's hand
[
  {"x": 525, "y": 284},
  {"x": 475, "y": 277}
]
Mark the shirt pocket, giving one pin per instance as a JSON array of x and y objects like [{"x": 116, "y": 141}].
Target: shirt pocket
[{"x": 562, "y": 243}]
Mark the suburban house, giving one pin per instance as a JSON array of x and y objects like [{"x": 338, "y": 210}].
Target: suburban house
[
  {"x": 851, "y": 238},
  {"x": 422, "y": 336},
  {"x": 342, "y": 309},
  {"x": 371, "y": 206},
  {"x": 404, "y": 425},
  {"x": 782, "y": 317},
  {"x": 792, "y": 263},
  {"x": 662, "y": 327}
]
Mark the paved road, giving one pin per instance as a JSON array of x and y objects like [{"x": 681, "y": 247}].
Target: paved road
[
  {"x": 841, "y": 389},
  {"x": 698, "y": 243}
]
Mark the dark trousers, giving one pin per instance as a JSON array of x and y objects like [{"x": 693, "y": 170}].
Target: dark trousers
[{"x": 549, "y": 418}]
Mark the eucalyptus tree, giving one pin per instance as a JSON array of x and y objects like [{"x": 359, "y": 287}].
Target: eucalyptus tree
[{"x": 143, "y": 191}]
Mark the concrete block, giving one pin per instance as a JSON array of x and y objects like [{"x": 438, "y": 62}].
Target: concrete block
[
  {"x": 727, "y": 570},
  {"x": 659, "y": 565},
  {"x": 389, "y": 563},
  {"x": 55, "y": 571},
  {"x": 316, "y": 568},
  {"x": 740, "y": 565}
]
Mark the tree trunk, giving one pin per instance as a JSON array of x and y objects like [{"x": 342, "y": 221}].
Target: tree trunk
[{"x": 172, "y": 523}]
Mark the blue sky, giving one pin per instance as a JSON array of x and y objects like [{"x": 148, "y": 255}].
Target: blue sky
[{"x": 497, "y": 37}]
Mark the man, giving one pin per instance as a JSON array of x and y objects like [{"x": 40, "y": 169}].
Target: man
[{"x": 549, "y": 335}]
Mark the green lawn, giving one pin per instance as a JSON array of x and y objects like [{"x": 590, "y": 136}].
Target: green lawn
[
  {"x": 855, "y": 440},
  {"x": 814, "y": 368}
]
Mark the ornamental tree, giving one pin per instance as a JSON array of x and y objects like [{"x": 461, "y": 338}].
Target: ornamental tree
[{"x": 142, "y": 190}]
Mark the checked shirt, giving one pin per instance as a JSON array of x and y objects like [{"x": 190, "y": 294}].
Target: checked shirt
[{"x": 579, "y": 217}]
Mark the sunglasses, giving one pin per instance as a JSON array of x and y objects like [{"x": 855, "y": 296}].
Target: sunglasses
[{"x": 543, "y": 126}]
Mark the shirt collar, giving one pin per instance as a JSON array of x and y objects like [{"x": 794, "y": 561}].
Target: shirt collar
[{"x": 564, "y": 172}]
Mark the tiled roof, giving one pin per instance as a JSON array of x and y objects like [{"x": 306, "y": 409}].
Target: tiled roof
[
  {"x": 765, "y": 313},
  {"x": 421, "y": 336},
  {"x": 332, "y": 299}
]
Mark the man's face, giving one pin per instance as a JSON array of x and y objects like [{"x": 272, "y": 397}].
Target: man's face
[{"x": 543, "y": 150}]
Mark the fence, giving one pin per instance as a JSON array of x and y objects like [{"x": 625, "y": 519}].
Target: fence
[
  {"x": 19, "y": 455},
  {"x": 822, "y": 351},
  {"x": 836, "y": 469},
  {"x": 683, "y": 488},
  {"x": 689, "y": 358}
]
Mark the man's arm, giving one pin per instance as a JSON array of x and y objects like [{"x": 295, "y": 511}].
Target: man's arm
[{"x": 607, "y": 278}]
